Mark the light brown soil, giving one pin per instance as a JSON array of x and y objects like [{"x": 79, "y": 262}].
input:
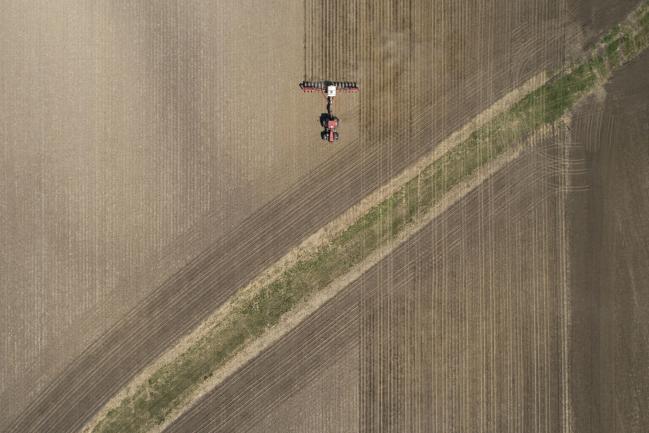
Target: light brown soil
[
  {"x": 131, "y": 143},
  {"x": 327, "y": 404},
  {"x": 156, "y": 158}
]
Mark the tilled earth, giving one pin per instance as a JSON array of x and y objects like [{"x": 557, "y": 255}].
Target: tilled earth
[
  {"x": 521, "y": 308},
  {"x": 456, "y": 330},
  {"x": 609, "y": 257},
  {"x": 192, "y": 125}
]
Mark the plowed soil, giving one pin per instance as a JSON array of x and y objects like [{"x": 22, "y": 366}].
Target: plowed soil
[
  {"x": 157, "y": 157},
  {"x": 521, "y": 308}
]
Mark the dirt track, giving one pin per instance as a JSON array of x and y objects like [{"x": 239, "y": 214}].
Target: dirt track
[{"x": 395, "y": 58}]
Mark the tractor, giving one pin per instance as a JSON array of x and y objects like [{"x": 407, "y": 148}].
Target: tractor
[{"x": 329, "y": 89}]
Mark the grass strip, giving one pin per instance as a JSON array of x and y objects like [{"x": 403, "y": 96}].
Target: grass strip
[{"x": 172, "y": 385}]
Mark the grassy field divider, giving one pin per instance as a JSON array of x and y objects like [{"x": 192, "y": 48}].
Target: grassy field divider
[{"x": 253, "y": 314}]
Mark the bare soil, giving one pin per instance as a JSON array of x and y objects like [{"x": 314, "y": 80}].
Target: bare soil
[
  {"x": 442, "y": 320},
  {"x": 609, "y": 238},
  {"x": 157, "y": 157},
  {"x": 280, "y": 379},
  {"x": 521, "y": 308},
  {"x": 595, "y": 16}
]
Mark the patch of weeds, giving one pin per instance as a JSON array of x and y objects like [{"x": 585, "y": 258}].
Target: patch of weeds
[{"x": 610, "y": 36}]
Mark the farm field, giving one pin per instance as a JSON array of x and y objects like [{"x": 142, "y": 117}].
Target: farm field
[
  {"x": 608, "y": 241},
  {"x": 496, "y": 316},
  {"x": 433, "y": 360},
  {"x": 471, "y": 325}
]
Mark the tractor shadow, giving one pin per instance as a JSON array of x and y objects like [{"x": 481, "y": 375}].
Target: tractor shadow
[{"x": 324, "y": 117}]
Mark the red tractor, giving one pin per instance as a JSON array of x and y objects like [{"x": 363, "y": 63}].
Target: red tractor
[{"x": 329, "y": 88}]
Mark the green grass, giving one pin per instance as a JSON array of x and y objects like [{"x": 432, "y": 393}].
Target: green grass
[{"x": 170, "y": 386}]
